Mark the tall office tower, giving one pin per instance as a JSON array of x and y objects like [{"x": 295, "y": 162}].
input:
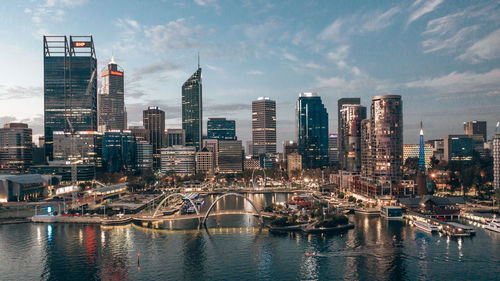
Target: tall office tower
[
  {"x": 221, "y": 129},
  {"x": 70, "y": 86},
  {"x": 153, "y": 120},
  {"x": 366, "y": 149},
  {"x": 312, "y": 130},
  {"x": 118, "y": 151},
  {"x": 112, "y": 113},
  {"x": 144, "y": 160},
  {"x": 175, "y": 137},
  {"x": 16, "y": 154},
  {"x": 192, "y": 109},
  {"x": 496, "y": 161},
  {"x": 476, "y": 128},
  {"x": 387, "y": 140},
  {"x": 340, "y": 103},
  {"x": 350, "y": 135},
  {"x": 264, "y": 126},
  {"x": 333, "y": 149},
  {"x": 230, "y": 156}
]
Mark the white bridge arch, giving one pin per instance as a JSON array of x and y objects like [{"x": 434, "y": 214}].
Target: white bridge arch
[
  {"x": 172, "y": 195},
  {"x": 204, "y": 221}
]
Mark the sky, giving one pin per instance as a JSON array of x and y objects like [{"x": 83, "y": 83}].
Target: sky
[{"x": 441, "y": 56}]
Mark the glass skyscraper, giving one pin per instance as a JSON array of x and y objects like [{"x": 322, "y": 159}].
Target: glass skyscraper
[
  {"x": 70, "y": 86},
  {"x": 154, "y": 121},
  {"x": 192, "y": 110},
  {"x": 221, "y": 129},
  {"x": 118, "y": 151},
  {"x": 112, "y": 113},
  {"x": 264, "y": 126},
  {"x": 312, "y": 130}
]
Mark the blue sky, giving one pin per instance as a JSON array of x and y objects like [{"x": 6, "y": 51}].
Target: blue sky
[{"x": 442, "y": 56}]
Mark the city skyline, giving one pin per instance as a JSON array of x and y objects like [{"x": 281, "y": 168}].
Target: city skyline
[{"x": 449, "y": 68}]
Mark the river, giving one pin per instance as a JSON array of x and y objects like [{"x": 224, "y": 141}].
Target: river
[{"x": 234, "y": 248}]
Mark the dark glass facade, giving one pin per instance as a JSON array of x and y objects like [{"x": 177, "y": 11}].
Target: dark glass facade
[
  {"x": 112, "y": 113},
  {"x": 221, "y": 129},
  {"x": 70, "y": 86},
  {"x": 192, "y": 110},
  {"x": 15, "y": 148},
  {"x": 154, "y": 121},
  {"x": 118, "y": 151},
  {"x": 312, "y": 131}
]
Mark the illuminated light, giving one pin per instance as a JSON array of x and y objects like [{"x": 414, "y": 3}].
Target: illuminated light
[
  {"x": 104, "y": 73},
  {"x": 118, "y": 73},
  {"x": 80, "y": 44}
]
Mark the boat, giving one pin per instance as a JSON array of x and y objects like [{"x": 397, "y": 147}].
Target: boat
[
  {"x": 367, "y": 211},
  {"x": 493, "y": 225},
  {"x": 291, "y": 228},
  {"x": 312, "y": 229},
  {"x": 391, "y": 212},
  {"x": 467, "y": 229},
  {"x": 454, "y": 231},
  {"x": 121, "y": 220},
  {"x": 425, "y": 226}
]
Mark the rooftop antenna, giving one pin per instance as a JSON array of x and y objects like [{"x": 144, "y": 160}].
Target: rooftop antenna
[
  {"x": 198, "y": 59},
  {"x": 112, "y": 58},
  {"x": 498, "y": 125}
]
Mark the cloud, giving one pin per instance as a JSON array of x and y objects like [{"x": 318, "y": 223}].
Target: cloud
[
  {"x": 333, "y": 32},
  {"x": 290, "y": 57},
  {"x": 484, "y": 49},
  {"x": 20, "y": 92},
  {"x": 379, "y": 20},
  {"x": 339, "y": 53},
  {"x": 459, "y": 83},
  {"x": 424, "y": 8},
  {"x": 255, "y": 72},
  {"x": 456, "y": 40}
]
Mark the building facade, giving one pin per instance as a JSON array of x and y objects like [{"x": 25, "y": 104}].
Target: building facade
[
  {"x": 175, "y": 137},
  {"x": 81, "y": 147},
  {"x": 112, "y": 112},
  {"x": 476, "y": 128},
  {"x": 192, "y": 109},
  {"x": 413, "y": 151},
  {"x": 263, "y": 126},
  {"x": 312, "y": 130},
  {"x": 458, "y": 148},
  {"x": 144, "y": 156},
  {"x": 16, "y": 148},
  {"x": 179, "y": 159},
  {"x": 366, "y": 149},
  {"x": 153, "y": 120},
  {"x": 333, "y": 149},
  {"x": 387, "y": 139},
  {"x": 205, "y": 162},
  {"x": 70, "y": 86},
  {"x": 351, "y": 116},
  {"x": 221, "y": 129},
  {"x": 294, "y": 162},
  {"x": 230, "y": 156},
  {"x": 496, "y": 161},
  {"x": 119, "y": 151}
]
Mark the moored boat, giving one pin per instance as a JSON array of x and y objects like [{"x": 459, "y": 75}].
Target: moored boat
[
  {"x": 117, "y": 221},
  {"x": 467, "y": 229},
  {"x": 367, "y": 211},
  {"x": 391, "y": 212},
  {"x": 493, "y": 225},
  {"x": 425, "y": 226}
]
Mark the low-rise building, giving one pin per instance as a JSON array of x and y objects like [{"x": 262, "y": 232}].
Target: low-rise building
[
  {"x": 179, "y": 159},
  {"x": 24, "y": 187}
]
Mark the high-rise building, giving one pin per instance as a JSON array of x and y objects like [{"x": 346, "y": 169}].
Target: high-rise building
[
  {"x": 144, "y": 158},
  {"x": 289, "y": 147},
  {"x": 249, "y": 147},
  {"x": 15, "y": 148},
  {"x": 83, "y": 147},
  {"x": 230, "y": 156},
  {"x": 112, "y": 112},
  {"x": 70, "y": 86},
  {"x": 294, "y": 162},
  {"x": 476, "y": 128},
  {"x": 118, "y": 151},
  {"x": 421, "y": 150},
  {"x": 212, "y": 145},
  {"x": 264, "y": 126},
  {"x": 179, "y": 159},
  {"x": 221, "y": 129},
  {"x": 458, "y": 148},
  {"x": 366, "y": 149},
  {"x": 312, "y": 130},
  {"x": 333, "y": 150},
  {"x": 153, "y": 120},
  {"x": 140, "y": 133},
  {"x": 192, "y": 109},
  {"x": 387, "y": 140},
  {"x": 351, "y": 115},
  {"x": 496, "y": 161},
  {"x": 175, "y": 137}
]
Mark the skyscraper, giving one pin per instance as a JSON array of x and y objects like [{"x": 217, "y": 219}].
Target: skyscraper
[
  {"x": 496, "y": 161},
  {"x": 421, "y": 150},
  {"x": 312, "y": 130},
  {"x": 366, "y": 149},
  {"x": 15, "y": 148},
  {"x": 221, "y": 129},
  {"x": 333, "y": 150},
  {"x": 70, "y": 86},
  {"x": 387, "y": 139},
  {"x": 192, "y": 109},
  {"x": 153, "y": 120},
  {"x": 350, "y": 117},
  {"x": 112, "y": 113},
  {"x": 264, "y": 126},
  {"x": 476, "y": 128}
]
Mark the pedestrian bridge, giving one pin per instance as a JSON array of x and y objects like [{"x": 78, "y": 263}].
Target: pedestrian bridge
[{"x": 210, "y": 211}]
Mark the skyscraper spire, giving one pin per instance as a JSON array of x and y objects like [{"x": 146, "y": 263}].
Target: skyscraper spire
[
  {"x": 421, "y": 154},
  {"x": 198, "y": 59}
]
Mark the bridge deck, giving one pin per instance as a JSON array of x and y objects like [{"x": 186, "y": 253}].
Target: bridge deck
[{"x": 196, "y": 216}]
